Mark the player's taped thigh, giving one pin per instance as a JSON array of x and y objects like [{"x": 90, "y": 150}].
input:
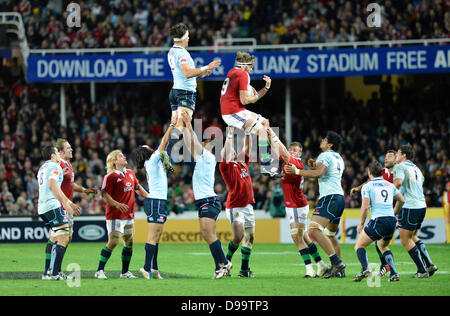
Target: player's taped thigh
[
  {"x": 297, "y": 231},
  {"x": 329, "y": 233},
  {"x": 62, "y": 231},
  {"x": 256, "y": 126},
  {"x": 315, "y": 225}
]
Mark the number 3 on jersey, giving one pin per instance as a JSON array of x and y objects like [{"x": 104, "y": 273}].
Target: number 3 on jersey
[{"x": 225, "y": 86}]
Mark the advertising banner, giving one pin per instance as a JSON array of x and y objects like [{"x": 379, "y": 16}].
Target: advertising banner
[
  {"x": 276, "y": 64},
  {"x": 28, "y": 230}
]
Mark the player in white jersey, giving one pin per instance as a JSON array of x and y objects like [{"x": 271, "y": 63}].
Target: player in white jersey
[
  {"x": 206, "y": 199},
  {"x": 183, "y": 94},
  {"x": 50, "y": 207},
  {"x": 325, "y": 220},
  {"x": 157, "y": 166},
  {"x": 409, "y": 180},
  {"x": 378, "y": 195}
]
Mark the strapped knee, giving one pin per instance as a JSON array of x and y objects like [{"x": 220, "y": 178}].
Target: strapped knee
[
  {"x": 249, "y": 234},
  {"x": 256, "y": 126},
  {"x": 329, "y": 233},
  {"x": 314, "y": 225},
  {"x": 297, "y": 231},
  {"x": 61, "y": 231}
]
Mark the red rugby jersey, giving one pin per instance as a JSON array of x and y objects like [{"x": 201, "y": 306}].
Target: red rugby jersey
[
  {"x": 68, "y": 180},
  {"x": 388, "y": 176},
  {"x": 239, "y": 183},
  {"x": 230, "y": 101},
  {"x": 292, "y": 186},
  {"x": 121, "y": 186}
]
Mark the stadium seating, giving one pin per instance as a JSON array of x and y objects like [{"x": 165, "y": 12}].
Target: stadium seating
[{"x": 29, "y": 114}]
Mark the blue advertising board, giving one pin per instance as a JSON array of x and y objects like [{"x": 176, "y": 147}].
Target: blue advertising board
[
  {"x": 291, "y": 64},
  {"x": 28, "y": 230}
]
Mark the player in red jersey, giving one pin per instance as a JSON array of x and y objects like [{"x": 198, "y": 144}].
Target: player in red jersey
[
  {"x": 239, "y": 208},
  {"x": 235, "y": 95},
  {"x": 388, "y": 175},
  {"x": 296, "y": 204},
  {"x": 118, "y": 191},
  {"x": 68, "y": 186}
]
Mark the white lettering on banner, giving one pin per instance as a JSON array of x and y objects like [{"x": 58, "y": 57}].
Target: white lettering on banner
[
  {"x": 10, "y": 233},
  {"x": 152, "y": 67},
  {"x": 81, "y": 68},
  {"x": 406, "y": 60},
  {"x": 342, "y": 62},
  {"x": 277, "y": 64},
  {"x": 441, "y": 61}
]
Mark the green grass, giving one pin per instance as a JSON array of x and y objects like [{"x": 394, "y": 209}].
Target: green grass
[{"x": 188, "y": 269}]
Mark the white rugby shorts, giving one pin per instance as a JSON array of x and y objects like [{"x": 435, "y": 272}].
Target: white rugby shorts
[
  {"x": 244, "y": 215},
  {"x": 118, "y": 225},
  {"x": 298, "y": 215},
  {"x": 238, "y": 119}
]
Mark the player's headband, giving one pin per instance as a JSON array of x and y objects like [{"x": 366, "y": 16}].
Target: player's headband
[
  {"x": 238, "y": 64},
  {"x": 178, "y": 39}
]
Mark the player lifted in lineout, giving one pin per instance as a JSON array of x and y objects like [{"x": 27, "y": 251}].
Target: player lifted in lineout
[{"x": 235, "y": 95}]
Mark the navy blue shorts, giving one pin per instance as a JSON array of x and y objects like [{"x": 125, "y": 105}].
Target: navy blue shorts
[
  {"x": 381, "y": 228},
  {"x": 331, "y": 207},
  {"x": 184, "y": 98},
  {"x": 411, "y": 218},
  {"x": 55, "y": 218},
  {"x": 209, "y": 207},
  {"x": 156, "y": 210}
]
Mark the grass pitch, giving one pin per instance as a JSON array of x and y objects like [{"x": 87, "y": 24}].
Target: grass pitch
[{"x": 188, "y": 270}]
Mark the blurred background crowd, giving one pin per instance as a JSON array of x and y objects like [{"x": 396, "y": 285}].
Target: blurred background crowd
[
  {"x": 413, "y": 110},
  {"x": 137, "y": 23}
]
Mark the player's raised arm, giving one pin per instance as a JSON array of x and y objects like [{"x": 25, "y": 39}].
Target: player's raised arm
[
  {"x": 274, "y": 141},
  {"x": 201, "y": 72},
  {"x": 165, "y": 139},
  {"x": 228, "y": 151},
  {"x": 247, "y": 98},
  {"x": 189, "y": 137}
]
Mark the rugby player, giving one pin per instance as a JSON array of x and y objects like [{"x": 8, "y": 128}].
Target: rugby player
[
  {"x": 68, "y": 186},
  {"x": 409, "y": 180},
  {"x": 206, "y": 199},
  {"x": 388, "y": 175},
  {"x": 378, "y": 194},
  {"x": 236, "y": 93},
  {"x": 53, "y": 207},
  {"x": 297, "y": 206},
  {"x": 118, "y": 192},
  {"x": 239, "y": 208},
  {"x": 325, "y": 220},
  {"x": 157, "y": 166}
]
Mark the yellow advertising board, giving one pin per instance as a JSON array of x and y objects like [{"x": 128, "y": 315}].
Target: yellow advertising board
[{"x": 188, "y": 231}]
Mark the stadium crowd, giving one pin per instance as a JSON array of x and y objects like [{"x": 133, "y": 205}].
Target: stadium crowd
[
  {"x": 29, "y": 114},
  {"x": 133, "y": 23},
  {"x": 127, "y": 115}
]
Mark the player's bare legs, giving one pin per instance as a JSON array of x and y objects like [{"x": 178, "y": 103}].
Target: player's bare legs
[
  {"x": 297, "y": 234},
  {"x": 407, "y": 239},
  {"x": 316, "y": 230},
  {"x": 331, "y": 233},
  {"x": 319, "y": 236}
]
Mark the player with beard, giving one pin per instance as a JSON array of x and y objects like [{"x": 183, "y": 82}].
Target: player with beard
[{"x": 388, "y": 175}]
